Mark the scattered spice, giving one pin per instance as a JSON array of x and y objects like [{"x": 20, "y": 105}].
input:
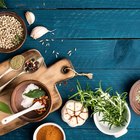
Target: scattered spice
[
  {"x": 17, "y": 62},
  {"x": 50, "y": 132},
  {"x": 65, "y": 83},
  {"x": 69, "y": 53}
]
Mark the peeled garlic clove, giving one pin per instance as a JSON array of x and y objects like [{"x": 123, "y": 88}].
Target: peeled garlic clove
[
  {"x": 38, "y": 32},
  {"x": 30, "y": 17}
]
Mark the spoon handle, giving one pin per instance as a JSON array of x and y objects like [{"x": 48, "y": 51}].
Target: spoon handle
[
  {"x": 7, "y": 71},
  {"x": 2, "y": 87},
  {"x": 14, "y": 116}
]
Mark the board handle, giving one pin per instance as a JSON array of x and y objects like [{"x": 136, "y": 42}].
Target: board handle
[{"x": 57, "y": 72}]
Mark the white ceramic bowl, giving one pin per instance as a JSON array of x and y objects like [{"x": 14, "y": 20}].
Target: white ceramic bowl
[
  {"x": 115, "y": 131},
  {"x": 46, "y": 124}
]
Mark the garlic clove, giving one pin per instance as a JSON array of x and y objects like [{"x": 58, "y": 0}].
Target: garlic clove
[
  {"x": 77, "y": 113},
  {"x": 70, "y": 105},
  {"x": 70, "y": 112},
  {"x": 80, "y": 121},
  {"x": 66, "y": 116},
  {"x": 84, "y": 115},
  {"x": 85, "y": 110},
  {"x": 73, "y": 122},
  {"x": 78, "y": 106},
  {"x": 30, "y": 17},
  {"x": 38, "y": 32}
]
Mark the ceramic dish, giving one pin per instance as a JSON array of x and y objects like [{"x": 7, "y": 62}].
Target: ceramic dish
[
  {"x": 13, "y": 14},
  {"x": 48, "y": 124},
  {"x": 114, "y": 131},
  {"x": 16, "y": 99}
]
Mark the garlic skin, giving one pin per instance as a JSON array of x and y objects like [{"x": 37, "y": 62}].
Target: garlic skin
[
  {"x": 38, "y": 32},
  {"x": 74, "y": 114},
  {"x": 30, "y": 17}
]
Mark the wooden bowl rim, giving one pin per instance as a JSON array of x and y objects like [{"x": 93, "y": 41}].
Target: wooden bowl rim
[
  {"x": 132, "y": 96},
  {"x": 14, "y": 14},
  {"x": 13, "y": 105}
]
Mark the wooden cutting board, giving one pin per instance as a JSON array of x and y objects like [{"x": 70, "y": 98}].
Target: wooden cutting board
[{"x": 48, "y": 76}]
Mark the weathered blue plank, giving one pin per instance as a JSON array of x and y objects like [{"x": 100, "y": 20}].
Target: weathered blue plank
[
  {"x": 73, "y": 4},
  {"x": 89, "y": 23},
  {"x": 90, "y": 54}
]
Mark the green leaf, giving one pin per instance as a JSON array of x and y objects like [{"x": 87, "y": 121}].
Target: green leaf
[
  {"x": 2, "y": 4},
  {"x": 5, "y": 108},
  {"x": 35, "y": 93}
]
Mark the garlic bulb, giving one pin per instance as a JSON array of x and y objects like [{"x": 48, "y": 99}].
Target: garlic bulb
[
  {"x": 74, "y": 114},
  {"x": 39, "y": 31},
  {"x": 30, "y": 17}
]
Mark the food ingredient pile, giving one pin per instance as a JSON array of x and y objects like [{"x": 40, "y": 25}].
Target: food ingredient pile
[
  {"x": 11, "y": 32},
  {"x": 49, "y": 132}
]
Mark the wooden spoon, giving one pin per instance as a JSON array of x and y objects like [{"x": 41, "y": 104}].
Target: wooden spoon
[
  {"x": 40, "y": 60},
  {"x": 35, "y": 106},
  {"x": 18, "y": 59}
]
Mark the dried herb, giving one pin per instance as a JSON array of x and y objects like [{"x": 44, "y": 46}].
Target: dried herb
[
  {"x": 2, "y": 4},
  {"x": 17, "y": 40},
  {"x": 5, "y": 108},
  {"x": 36, "y": 93},
  {"x": 112, "y": 107}
]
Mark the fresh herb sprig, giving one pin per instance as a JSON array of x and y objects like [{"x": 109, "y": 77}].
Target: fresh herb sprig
[
  {"x": 2, "y": 4},
  {"x": 112, "y": 108},
  {"x": 36, "y": 93},
  {"x": 5, "y": 108}
]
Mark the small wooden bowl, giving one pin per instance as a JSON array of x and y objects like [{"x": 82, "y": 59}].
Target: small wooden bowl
[
  {"x": 132, "y": 97},
  {"x": 16, "y": 99},
  {"x": 13, "y": 14}
]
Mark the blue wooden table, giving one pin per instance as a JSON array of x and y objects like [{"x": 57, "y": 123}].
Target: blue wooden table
[{"x": 106, "y": 34}]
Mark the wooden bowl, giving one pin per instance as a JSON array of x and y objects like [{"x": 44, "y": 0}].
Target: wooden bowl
[
  {"x": 24, "y": 32},
  {"x": 132, "y": 97},
  {"x": 16, "y": 99}
]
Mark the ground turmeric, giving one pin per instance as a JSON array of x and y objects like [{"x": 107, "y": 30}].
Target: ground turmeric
[{"x": 50, "y": 132}]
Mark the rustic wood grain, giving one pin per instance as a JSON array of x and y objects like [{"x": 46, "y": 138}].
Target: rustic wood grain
[
  {"x": 106, "y": 34},
  {"x": 74, "y": 4},
  {"x": 48, "y": 76},
  {"x": 88, "y": 24}
]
